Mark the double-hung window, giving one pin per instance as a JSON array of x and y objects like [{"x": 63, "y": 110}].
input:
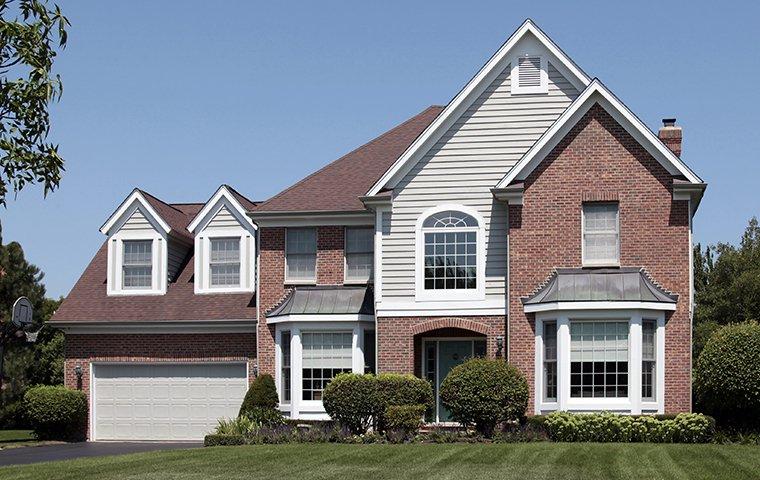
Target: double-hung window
[
  {"x": 301, "y": 255},
  {"x": 360, "y": 247},
  {"x": 137, "y": 264},
  {"x": 224, "y": 262},
  {"x": 601, "y": 234},
  {"x": 324, "y": 355},
  {"x": 598, "y": 359}
]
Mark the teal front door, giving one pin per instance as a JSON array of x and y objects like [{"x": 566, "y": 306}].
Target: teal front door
[{"x": 439, "y": 357}]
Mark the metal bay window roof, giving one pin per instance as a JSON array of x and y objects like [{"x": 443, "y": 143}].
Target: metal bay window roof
[
  {"x": 326, "y": 300},
  {"x": 628, "y": 284}
]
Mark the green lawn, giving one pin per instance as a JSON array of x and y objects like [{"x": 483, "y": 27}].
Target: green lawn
[
  {"x": 355, "y": 462},
  {"x": 15, "y": 438}
]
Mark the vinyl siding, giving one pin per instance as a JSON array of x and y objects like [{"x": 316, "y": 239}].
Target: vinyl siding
[
  {"x": 223, "y": 219},
  {"x": 138, "y": 222},
  {"x": 462, "y": 167}
]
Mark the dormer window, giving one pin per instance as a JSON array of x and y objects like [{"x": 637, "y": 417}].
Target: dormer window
[
  {"x": 530, "y": 74},
  {"x": 225, "y": 262},
  {"x": 137, "y": 264}
]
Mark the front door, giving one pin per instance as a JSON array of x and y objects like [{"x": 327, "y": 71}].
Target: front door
[{"x": 441, "y": 356}]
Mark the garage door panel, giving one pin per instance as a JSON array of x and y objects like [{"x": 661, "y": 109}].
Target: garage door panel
[{"x": 164, "y": 401}]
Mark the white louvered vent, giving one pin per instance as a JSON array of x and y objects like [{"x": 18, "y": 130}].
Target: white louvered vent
[{"x": 529, "y": 71}]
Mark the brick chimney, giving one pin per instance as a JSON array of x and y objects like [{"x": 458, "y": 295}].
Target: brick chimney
[{"x": 671, "y": 135}]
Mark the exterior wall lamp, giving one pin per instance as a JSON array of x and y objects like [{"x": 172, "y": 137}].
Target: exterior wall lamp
[
  {"x": 78, "y": 373},
  {"x": 499, "y": 345}
]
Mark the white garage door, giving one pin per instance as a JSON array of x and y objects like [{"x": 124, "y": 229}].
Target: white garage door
[{"x": 164, "y": 402}]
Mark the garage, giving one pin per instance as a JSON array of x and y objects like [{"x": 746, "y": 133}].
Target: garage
[{"x": 164, "y": 401}]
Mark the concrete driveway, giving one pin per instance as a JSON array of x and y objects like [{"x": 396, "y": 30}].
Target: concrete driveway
[{"x": 66, "y": 451}]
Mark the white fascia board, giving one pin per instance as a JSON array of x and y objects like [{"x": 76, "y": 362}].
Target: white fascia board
[
  {"x": 441, "y": 308},
  {"x": 321, "y": 318},
  {"x": 596, "y": 92},
  {"x": 469, "y": 93},
  {"x": 561, "y": 306},
  {"x": 212, "y": 207},
  {"x": 155, "y": 327},
  {"x": 124, "y": 207}
]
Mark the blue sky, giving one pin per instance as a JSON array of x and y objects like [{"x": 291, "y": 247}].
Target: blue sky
[{"x": 257, "y": 95}]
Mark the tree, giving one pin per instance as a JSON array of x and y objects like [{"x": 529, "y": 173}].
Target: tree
[
  {"x": 727, "y": 284},
  {"x": 29, "y": 31}
]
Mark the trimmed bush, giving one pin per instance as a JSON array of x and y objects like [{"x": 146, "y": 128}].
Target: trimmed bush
[
  {"x": 13, "y": 416},
  {"x": 395, "y": 389},
  {"x": 56, "y": 413},
  {"x": 352, "y": 400},
  {"x": 262, "y": 393},
  {"x": 215, "y": 440},
  {"x": 727, "y": 375},
  {"x": 405, "y": 420},
  {"x": 484, "y": 393},
  {"x": 610, "y": 427}
]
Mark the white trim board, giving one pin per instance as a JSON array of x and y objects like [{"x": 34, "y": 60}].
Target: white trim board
[
  {"x": 126, "y": 207},
  {"x": 596, "y": 92},
  {"x": 320, "y": 318},
  {"x": 212, "y": 207},
  {"x": 495, "y": 65},
  {"x": 591, "y": 305}
]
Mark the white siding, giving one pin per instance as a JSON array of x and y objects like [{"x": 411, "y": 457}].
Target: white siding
[
  {"x": 137, "y": 221},
  {"x": 223, "y": 219},
  {"x": 469, "y": 160}
]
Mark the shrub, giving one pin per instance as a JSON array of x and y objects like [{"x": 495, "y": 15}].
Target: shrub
[
  {"x": 268, "y": 417},
  {"x": 352, "y": 400},
  {"x": 727, "y": 375},
  {"x": 396, "y": 389},
  {"x": 56, "y": 413},
  {"x": 12, "y": 416},
  {"x": 404, "y": 420},
  {"x": 215, "y": 440},
  {"x": 485, "y": 392},
  {"x": 610, "y": 427},
  {"x": 241, "y": 425},
  {"x": 262, "y": 394}
]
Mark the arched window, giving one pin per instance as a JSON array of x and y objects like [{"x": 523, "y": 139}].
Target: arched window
[{"x": 450, "y": 251}]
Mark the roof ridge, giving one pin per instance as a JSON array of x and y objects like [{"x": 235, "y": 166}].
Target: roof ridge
[
  {"x": 375, "y": 139},
  {"x": 234, "y": 190}
]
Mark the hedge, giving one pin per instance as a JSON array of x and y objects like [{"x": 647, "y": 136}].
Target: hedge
[
  {"x": 352, "y": 399},
  {"x": 56, "y": 413},
  {"x": 404, "y": 419},
  {"x": 401, "y": 390}
]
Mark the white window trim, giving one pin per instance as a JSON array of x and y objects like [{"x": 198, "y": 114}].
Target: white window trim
[
  {"x": 633, "y": 404},
  {"x": 312, "y": 409},
  {"x": 358, "y": 281},
  {"x": 515, "y": 75},
  {"x": 423, "y": 295},
  {"x": 159, "y": 262},
  {"x": 599, "y": 263},
  {"x": 302, "y": 281}
]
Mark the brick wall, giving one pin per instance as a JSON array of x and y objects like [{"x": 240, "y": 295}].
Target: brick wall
[
  {"x": 397, "y": 337},
  {"x": 272, "y": 288},
  {"x": 84, "y": 349},
  {"x": 597, "y": 161}
]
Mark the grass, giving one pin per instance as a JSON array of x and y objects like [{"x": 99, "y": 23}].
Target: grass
[
  {"x": 16, "y": 438},
  {"x": 418, "y": 461}
]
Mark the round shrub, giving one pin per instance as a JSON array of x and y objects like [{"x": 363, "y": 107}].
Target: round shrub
[
  {"x": 404, "y": 420},
  {"x": 727, "y": 375},
  {"x": 352, "y": 400},
  {"x": 485, "y": 392},
  {"x": 56, "y": 413},
  {"x": 396, "y": 389}
]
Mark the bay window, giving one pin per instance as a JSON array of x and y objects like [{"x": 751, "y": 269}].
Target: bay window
[
  {"x": 598, "y": 359},
  {"x": 285, "y": 366},
  {"x": 648, "y": 359},
  {"x": 324, "y": 355},
  {"x": 550, "y": 361}
]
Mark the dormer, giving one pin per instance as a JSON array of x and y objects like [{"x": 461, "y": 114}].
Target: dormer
[
  {"x": 225, "y": 244},
  {"x": 147, "y": 242}
]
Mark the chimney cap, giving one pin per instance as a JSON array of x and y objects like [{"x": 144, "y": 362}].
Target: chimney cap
[{"x": 668, "y": 122}]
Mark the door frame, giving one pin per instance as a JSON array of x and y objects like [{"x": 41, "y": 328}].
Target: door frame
[
  {"x": 92, "y": 414},
  {"x": 425, "y": 340}
]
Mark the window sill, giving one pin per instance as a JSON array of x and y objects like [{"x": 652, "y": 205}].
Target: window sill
[
  {"x": 601, "y": 264},
  {"x": 300, "y": 282},
  {"x": 222, "y": 291},
  {"x": 134, "y": 293},
  {"x": 449, "y": 295}
]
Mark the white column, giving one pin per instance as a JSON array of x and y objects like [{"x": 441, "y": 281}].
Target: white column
[
  {"x": 539, "y": 367},
  {"x": 357, "y": 356},
  {"x": 563, "y": 361},
  {"x": 634, "y": 364},
  {"x": 296, "y": 352},
  {"x": 660, "y": 366}
]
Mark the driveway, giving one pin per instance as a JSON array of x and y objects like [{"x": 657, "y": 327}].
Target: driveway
[{"x": 66, "y": 451}]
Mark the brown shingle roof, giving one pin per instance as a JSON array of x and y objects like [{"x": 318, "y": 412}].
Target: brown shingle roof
[
  {"x": 338, "y": 186},
  {"x": 172, "y": 215},
  {"x": 88, "y": 300}
]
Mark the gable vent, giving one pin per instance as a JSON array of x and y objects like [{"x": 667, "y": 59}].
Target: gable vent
[{"x": 529, "y": 71}]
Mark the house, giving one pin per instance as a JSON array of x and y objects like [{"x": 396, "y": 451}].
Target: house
[{"x": 534, "y": 217}]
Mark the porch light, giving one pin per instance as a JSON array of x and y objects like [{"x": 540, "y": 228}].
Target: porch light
[
  {"x": 499, "y": 345},
  {"x": 78, "y": 372}
]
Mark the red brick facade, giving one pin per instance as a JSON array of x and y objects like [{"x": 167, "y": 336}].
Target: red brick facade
[
  {"x": 599, "y": 161},
  {"x": 272, "y": 288},
  {"x": 151, "y": 348}
]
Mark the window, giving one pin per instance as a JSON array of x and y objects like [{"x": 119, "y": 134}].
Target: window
[
  {"x": 224, "y": 262},
  {"x": 301, "y": 255},
  {"x": 550, "y": 361},
  {"x": 325, "y": 354},
  {"x": 601, "y": 234},
  {"x": 369, "y": 351},
  {"x": 598, "y": 359},
  {"x": 360, "y": 247},
  {"x": 450, "y": 258},
  {"x": 137, "y": 264},
  {"x": 648, "y": 362},
  {"x": 285, "y": 368}
]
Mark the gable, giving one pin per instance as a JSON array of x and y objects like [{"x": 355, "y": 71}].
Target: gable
[
  {"x": 137, "y": 221},
  {"x": 225, "y": 209},
  {"x": 223, "y": 219}
]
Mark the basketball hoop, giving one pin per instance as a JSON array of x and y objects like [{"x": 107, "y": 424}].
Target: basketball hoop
[{"x": 31, "y": 337}]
